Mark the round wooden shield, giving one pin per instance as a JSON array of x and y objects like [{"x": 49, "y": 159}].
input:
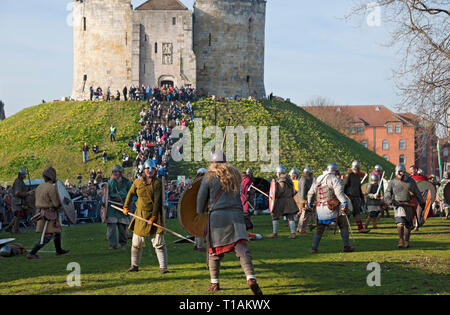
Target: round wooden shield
[
  {"x": 66, "y": 202},
  {"x": 446, "y": 193},
  {"x": 425, "y": 186},
  {"x": 190, "y": 220},
  {"x": 364, "y": 187},
  {"x": 105, "y": 201},
  {"x": 273, "y": 189}
]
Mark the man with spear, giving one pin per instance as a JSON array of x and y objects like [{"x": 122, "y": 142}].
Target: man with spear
[{"x": 149, "y": 209}]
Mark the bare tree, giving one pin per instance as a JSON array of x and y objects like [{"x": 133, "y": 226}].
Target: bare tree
[
  {"x": 327, "y": 111},
  {"x": 422, "y": 35}
]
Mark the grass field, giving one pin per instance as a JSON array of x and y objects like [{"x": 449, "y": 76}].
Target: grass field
[{"x": 282, "y": 266}]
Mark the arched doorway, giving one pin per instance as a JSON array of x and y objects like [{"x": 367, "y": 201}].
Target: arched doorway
[{"x": 167, "y": 80}]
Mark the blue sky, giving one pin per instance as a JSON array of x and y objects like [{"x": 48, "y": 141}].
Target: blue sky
[{"x": 310, "y": 51}]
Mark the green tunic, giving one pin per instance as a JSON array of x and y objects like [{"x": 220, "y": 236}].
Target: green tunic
[
  {"x": 117, "y": 191},
  {"x": 148, "y": 205}
]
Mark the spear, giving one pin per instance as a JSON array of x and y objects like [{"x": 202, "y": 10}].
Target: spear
[
  {"x": 158, "y": 226},
  {"x": 259, "y": 191}
]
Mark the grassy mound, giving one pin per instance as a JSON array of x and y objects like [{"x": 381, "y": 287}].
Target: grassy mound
[{"x": 53, "y": 134}]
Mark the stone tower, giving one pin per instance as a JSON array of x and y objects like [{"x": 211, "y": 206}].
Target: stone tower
[
  {"x": 102, "y": 32},
  {"x": 229, "y": 41}
]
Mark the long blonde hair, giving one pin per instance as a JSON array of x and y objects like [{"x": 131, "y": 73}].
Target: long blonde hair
[{"x": 230, "y": 178}]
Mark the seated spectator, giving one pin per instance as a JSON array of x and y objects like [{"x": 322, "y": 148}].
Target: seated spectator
[{"x": 95, "y": 149}]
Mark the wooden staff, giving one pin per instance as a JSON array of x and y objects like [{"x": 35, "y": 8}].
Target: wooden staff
[
  {"x": 115, "y": 203},
  {"x": 259, "y": 191},
  {"x": 158, "y": 226}
]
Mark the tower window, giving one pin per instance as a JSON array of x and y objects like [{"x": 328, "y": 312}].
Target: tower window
[
  {"x": 248, "y": 79},
  {"x": 126, "y": 39},
  {"x": 210, "y": 39},
  {"x": 84, "y": 24},
  {"x": 156, "y": 48},
  {"x": 174, "y": 21}
]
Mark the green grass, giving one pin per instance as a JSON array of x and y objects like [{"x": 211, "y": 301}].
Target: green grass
[
  {"x": 282, "y": 266},
  {"x": 53, "y": 134}
]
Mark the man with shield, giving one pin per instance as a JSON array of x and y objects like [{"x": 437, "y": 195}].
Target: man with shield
[
  {"x": 149, "y": 206},
  {"x": 219, "y": 196},
  {"x": 405, "y": 196},
  {"x": 284, "y": 203},
  {"x": 118, "y": 188},
  {"x": 304, "y": 185},
  {"x": 48, "y": 224},
  {"x": 332, "y": 206}
]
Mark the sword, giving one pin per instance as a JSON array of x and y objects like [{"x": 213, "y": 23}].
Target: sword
[
  {"x": 381, "y": 183},
  {"x": 158, "y": 226},
  {"x": 43, "y": 232},
  {"x": 365, "y": 176},
  {"x": 259, "y": 191}
]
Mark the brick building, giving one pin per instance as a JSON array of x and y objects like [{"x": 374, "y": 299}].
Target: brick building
[{"x": 399, "y": 138}]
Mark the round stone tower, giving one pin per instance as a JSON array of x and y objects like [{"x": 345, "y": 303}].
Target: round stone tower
[
  {"x": 229, "y": 41},
  {"x": 102, "y": 32}
]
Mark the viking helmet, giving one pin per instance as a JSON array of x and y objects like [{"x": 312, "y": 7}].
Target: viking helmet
[
  {"x": 294, "y": 171},
  {"x": 374, "y": 177},
  {"x": 202, "y": 171},
  {"x": 281, "y": 169},
  {"x": 249, "y": 172},
  {"x": 420, "y": 172},
  {"x": 22, "y": 172},
  {"x": 332, "y": 167},
  {"x": 218, "y": 157},
  {"x": 400, "y": 168},
  {"x": 307, "y": 170},
  {"x": 118, "y": 168},
  {"x": 150, "y": 164},
  {"x": 356, "y": 165},
  {"x": 378, "y": 168}
]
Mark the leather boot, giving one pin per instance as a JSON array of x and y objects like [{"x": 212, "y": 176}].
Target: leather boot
[
  {"x": 256, "y": 290},
  {"x": 213, "y": 287},
  {"x": 401, "y": 241}
]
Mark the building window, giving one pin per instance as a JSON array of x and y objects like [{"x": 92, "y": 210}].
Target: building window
[
  {"x": 445, "y": 152},
  {"x": 174, "y": 21},
  {"x": 386, "y": 157},
  {"x": 352, "y": 129},
  {"x": 210, "y": 39},
  {"x": 402, "y": 159},
  {"x": 402, "y": 145},
  {"x": 248, "y": 79},
  {"x": 398, "y": 128},
  {"x": 389, "y": 128},
  {"x": 167, "y": 58},
  {"x": 84, "y": 24},
  {"x": 360, "y": 129},
  {"x": 156, "y": 48},
  {"x": 385, "y": 145},
  {"x": 364, "y": 143}
]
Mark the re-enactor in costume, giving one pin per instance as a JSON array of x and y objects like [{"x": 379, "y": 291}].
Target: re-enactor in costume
[
  {"x": 285, "y": 204},
  {"x": 118, "y": 188},
  {"x": 331, "y": 205},
  {"x": 404, "y": 195},
  {"x": 20, "y": 207},
  {"x": 373, "y": 200},
  {"x": 352, "y": 188},
  {"x": 149, "y": 207},
  {"x": 47, "y": 215},
  {"x": 304, "y": 185},
  {"x": 219, "y": 195}
]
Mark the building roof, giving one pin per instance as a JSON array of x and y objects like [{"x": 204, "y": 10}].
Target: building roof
[
  {"x": 373, "y": 115},
  {"x": 162, "y": 5}
]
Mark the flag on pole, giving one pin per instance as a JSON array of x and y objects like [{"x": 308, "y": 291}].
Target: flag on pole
[{"x": 439, "y": 158}]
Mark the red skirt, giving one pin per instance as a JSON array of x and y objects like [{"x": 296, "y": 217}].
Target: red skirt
[{"x": 227, "y": 248}]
